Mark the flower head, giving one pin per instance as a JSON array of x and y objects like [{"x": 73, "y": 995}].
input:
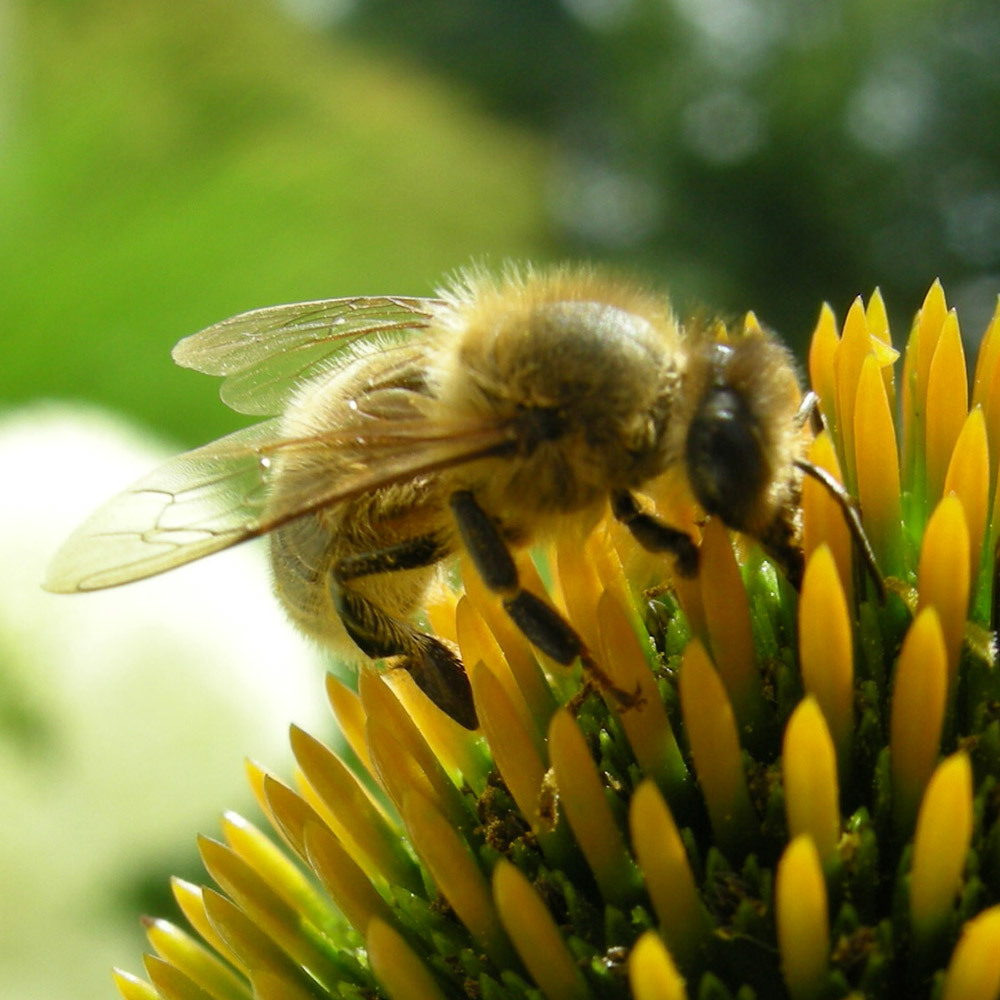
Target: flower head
[{"x": 798, "y": 799}]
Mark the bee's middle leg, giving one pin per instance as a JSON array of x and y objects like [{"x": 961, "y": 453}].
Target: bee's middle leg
[
  {"x": 436, "y": 669},
  {"x": 541, "y": 624}
]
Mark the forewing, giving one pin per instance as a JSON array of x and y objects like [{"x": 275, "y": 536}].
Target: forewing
[
  {"x": 194, "y": 504},
  {"x": 221, "y": 494},
  {"x": 266, "y": 354}
]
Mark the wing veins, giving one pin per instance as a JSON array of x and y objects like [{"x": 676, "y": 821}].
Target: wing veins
[{"x": 214, "y": 508}]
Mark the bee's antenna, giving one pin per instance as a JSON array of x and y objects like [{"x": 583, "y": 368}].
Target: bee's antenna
[{"x": 849, "y": 507}]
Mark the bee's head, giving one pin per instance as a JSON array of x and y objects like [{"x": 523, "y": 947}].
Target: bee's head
[
  {"x": 740, "y": 437},
  {"x": 727, "y": 463}
]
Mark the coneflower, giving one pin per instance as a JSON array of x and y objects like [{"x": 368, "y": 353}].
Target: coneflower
[{"x": 802, "y": 802}]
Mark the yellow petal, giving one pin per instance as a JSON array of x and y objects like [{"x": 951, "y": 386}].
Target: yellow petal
[
  {"x": 191, "y": 900},
  {"x": 202, "y": 967},
  {"x": 269, "y": 986},
  {"x": 800, "y": 910},
  {"x": 256, "y": 778},
  {"x": 930, "y": 320},
  {"x": 288, "y": 812},
  {"x": 943, "y": 575},
  {"x": 916, "y": 372},
  {"x": 974, "y": 970},
  {"x": 133, "y": 988},
  {"x": 727, "y": 616},
  {"x": 270, "y": 916},
  {"x": 947, "y": 404},
  {"x": 885, "y": 354},
  {"x": 367, "y": 835},
  {"x": 969, "y": 479},
  {"x": 398, "y": 771},
  {"x": 665, "y": 866},
  {"x": 715, "y": 748},
  {"x": 652, "y": 974},
  {"x": 346, "y": 883},
  {"x": 940, "y": 845},
  {"x": 456, "y": 873},
  {"x": 855, "y": 345},
  {"x": 387, "y": 716},
  {"x": 439, "y": 606},
  {"x": 255, "y": 950},
  {"x": 878, "y": 319},
  {"x": 478, "y": 644},
  {"x": 826, "y": 648},
  {"x": 581, "y": 587},
  {"x": 350, "y": 718},
  {"x": 991, "y": 411},
  {"x": 822, "y": 351},
  {"x": 518, "y": 654},
  {"x": 581, "y": 797},
  {"x": 397, "y": 967},
  {"x": 646, "y": 724},
  {"x": 512, "y": 744},
  {"x": 912, "y": 465},
  {"x": 919, "y": 696},
  {"x": 170, "y": 982},
  {"x": 536, "y": 936},
  {"x": 987, "y": 359},
  {"x": 453, "y": 745},
  {"x": 272, "y": 864},
  {"x": 877, "y": 466},
  {"x": 607, "y": 564},
  {"x": 822, "y": 519},
  {"x": 689, "y": 597},
  {"x": 809, "y": 770}
]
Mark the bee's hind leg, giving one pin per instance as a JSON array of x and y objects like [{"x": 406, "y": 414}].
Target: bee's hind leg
[
  {"x": 542, "y": 625},
  {"x": 437, "y": 671}
]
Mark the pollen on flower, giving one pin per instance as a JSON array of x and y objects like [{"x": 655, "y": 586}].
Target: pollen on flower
[{"x": 746, "y": 790}]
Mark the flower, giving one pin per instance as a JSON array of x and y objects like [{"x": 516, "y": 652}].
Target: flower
[{"x": 801, "y": 799}]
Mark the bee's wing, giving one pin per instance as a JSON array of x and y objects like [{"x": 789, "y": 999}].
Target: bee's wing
[
  {"x": 265, "y": 354},
  {"x": 217, "y": 495},
  {"x": 194, "y": 504}
]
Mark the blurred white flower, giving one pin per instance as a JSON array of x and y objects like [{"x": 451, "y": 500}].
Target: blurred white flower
[{"x": 125, "y": 714}]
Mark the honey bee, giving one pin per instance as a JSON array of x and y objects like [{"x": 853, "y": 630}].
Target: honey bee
[{"x": 405, "y": 429}]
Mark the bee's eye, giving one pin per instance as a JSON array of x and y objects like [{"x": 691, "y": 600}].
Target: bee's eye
[{"x": 725, "y": 461}]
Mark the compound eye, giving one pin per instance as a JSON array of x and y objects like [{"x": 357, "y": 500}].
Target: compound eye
[{"x": 725, "y": 460}]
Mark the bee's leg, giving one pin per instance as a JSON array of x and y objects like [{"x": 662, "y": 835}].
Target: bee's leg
[
  {"x": 412, "y": 553},
  {"x": 849, "y": 507},
  {"x": 543, "y": 626},
  {"x": 437, "y": 671},
  {"x": 809, "y": 411},
  {"x": 653, "y": 535}
]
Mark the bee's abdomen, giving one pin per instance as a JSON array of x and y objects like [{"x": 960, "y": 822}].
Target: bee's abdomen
[{"x": 306, "y": 552}]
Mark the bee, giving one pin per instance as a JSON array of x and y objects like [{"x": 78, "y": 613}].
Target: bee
[{"x": 403, "y": 430}]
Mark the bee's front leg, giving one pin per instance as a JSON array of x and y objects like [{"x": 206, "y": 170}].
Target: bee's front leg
[
  {"x": 653, "y": 535},
  {"x": 437, "y": 671},
  {"x": 809, "y": 412},
  {"x": 542, "y": 625}
]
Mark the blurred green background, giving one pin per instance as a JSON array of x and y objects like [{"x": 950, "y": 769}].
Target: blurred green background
[{"x": 164, "y": 165}]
